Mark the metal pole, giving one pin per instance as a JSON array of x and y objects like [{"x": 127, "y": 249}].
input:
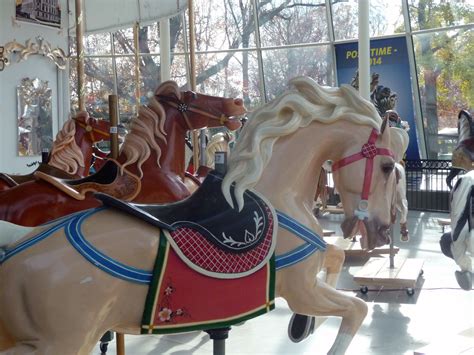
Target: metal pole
[
  {"x": 136, "y": 29},
  {"x": 192, "y": 77},
  {"x": 80, "y": 55},
  {"x": 165, "y": 60},
  {"x": 113, "y": 113},
  {"x": 364, "y": 50}
]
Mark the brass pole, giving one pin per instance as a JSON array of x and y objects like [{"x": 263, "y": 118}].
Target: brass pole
[
  {"x": 192, "y": 77},
  {"x": 80, "y": 55},
  {"x": 120, "y": 343},
  {"x": 113, "y": 112},
  {"x": 136, "y": 29}
]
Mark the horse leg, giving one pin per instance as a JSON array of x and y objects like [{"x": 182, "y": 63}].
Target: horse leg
[
  {"x": 300, "y": 325},
  {"x": 403, "y": 220},
  {"x": 319, "y": 299}
]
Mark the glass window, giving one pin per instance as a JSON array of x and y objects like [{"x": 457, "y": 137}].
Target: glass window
[
  {"x": 425, "y": 14},
  {"x": 123, "y": 41},
  {"x": 284, "y": 23},
  {"x": 386, "y": 18},
  {"x": 446, "y": 77},
  {"x": 281, "y": 65},
  {"x": 229, "y": 75},
  {"x": 221, "y": 25},
  {"x": 126, "y": 85},
  {"x": 97, "y": 44},
  {"x": 99, "y": 84}
]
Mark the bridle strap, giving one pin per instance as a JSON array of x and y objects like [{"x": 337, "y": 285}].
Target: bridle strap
[
  {"x": 182, "y": 107},
  {"x": 369, "y": 151},
  {"x": 90, "y": 129}
]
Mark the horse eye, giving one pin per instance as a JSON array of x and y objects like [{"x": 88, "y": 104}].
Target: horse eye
[
  {"x": 388, "y": 168},
  {"x": 194, "y": 95}
]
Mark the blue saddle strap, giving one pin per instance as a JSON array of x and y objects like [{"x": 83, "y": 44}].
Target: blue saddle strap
[
  {"x": 72, "y": 229},
  {"x": 313, "y": 242},
  {"x": 99, "y": 259}
]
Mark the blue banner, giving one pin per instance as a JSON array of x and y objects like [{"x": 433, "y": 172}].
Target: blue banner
[{"x": 389, "y": 59}]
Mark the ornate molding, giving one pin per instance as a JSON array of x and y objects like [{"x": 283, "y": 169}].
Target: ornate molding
[
  {"x": 3, "y": 60},
  {"x": 40, "y": 47}
]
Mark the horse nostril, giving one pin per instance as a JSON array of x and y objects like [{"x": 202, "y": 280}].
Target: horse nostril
[{"x": 239, "y": 102}]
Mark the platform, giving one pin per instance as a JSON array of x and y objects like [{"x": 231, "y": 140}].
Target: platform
[{"x": 377, "y": 272}]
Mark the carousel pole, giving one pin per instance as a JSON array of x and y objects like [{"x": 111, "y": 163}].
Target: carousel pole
[
  {"x": 192, "y": 77},
  {"x": 364, "y": 49},
  {"x": 113, "y": 113},
  {"x": 80, "y": 54},
  {"x": 136, "y": 29}
]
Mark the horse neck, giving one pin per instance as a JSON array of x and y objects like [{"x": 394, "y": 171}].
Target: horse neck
[
  {"x": 85, "y": 145},
  {"x": 290, "y": 193},
  {"x": 172, "y": 154}
]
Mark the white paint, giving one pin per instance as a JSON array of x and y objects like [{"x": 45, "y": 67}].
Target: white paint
[
  {"x": 364, "y": 49},
  {"x": 36, "y": 66},
  {"x": 86, "y": 280}
]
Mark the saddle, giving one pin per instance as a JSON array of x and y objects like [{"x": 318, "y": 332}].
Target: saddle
[
  {"x": 107, "y": 180},
  {"x": 207, "y": 233},
  {"x": 463, "y": 154},
  {"x": 14, "y": 180}
]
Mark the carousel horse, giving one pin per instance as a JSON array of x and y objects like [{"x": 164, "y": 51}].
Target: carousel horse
[
  {"x": 463, "y": 154},
  {"x": 71, "y": 153},
  {"x": 150, "y": 166},
  {"x": 458, "y": 244},
  {"x": 226, "y": 253}
]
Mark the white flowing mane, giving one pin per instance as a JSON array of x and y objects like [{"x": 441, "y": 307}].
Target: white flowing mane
[
  {"x": 219, "y": 142},
  {"x": 149, "y": 123},
  {"x": 65, "y": 153},
  {"x": 296, "y": 108}
]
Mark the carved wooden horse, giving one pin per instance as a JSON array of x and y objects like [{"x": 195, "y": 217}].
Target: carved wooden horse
[
  {"x": 150, "y": 166},
  {"x": 71, "y": 153},
  {"x": 463, "y": 154},
  {"x": 458, "y": 244},
  {"x": 41, "y": 294}
]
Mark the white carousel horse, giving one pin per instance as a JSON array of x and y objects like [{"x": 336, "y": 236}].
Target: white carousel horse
[
  {"x": 401, "y": 202},
  {"x": 55, "y": 301},
  {"x": 458, "y": 244}
]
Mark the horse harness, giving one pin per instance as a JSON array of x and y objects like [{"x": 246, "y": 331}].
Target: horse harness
[{"x": 369, "y": 151}]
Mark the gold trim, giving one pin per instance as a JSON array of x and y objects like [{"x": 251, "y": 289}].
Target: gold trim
[{"x": 30, "y": 47}]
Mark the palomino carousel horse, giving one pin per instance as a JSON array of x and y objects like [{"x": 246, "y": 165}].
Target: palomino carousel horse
[
  {"x": 463, "y": 154},
  {"x": 150, "y": 167},
  {"x": 111, "y": 251},
  {"x": 71, "y": 152},
  {"x": 458, "y": 244}
]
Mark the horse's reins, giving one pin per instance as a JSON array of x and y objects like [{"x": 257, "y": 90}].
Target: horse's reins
[
  {"x": 183, "y": 108},
  {"x": 90, "y": 129},
  {"x": 369, "y": 151}
]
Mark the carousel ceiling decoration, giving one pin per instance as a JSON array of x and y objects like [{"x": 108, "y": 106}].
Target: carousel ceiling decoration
[
  {"x": 37, "y": 47},
  {"x": 125, "y": 13}
]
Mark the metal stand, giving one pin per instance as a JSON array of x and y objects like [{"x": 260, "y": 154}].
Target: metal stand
[{"x": 218, "y": 336}]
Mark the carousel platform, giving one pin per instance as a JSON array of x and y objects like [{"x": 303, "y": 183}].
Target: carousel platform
[{"x": 437, "y": 319}]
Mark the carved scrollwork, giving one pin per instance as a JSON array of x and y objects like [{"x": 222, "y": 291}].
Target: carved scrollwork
[
  {"x": 3, "y": 60},
  {"x": 40, "y": 47}
]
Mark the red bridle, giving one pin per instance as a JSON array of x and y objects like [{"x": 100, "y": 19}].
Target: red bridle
[
  {"x": 90, "y": 129},
  {"x": 369, "y": 151}
]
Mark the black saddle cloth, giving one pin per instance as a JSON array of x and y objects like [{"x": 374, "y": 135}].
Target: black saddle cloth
[{"x": 207, "y": 212}]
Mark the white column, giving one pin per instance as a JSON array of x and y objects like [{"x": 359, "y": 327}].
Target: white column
[
  {"x": 364, "y": 49},
  {"x": 165, "y": 60}
]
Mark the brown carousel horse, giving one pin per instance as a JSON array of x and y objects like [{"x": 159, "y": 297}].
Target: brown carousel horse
[
  {"x": 463, "y": 154},
  {"x": 71, "y": 153},
  {"x": 48, "y": 306},
  {"x": 150, "y": 167}
]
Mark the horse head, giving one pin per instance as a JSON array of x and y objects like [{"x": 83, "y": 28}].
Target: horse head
[
  {"x": 91, "y": 128},
  {"x": 366, "y": 181},
  {"x": 198, "y": 110}
]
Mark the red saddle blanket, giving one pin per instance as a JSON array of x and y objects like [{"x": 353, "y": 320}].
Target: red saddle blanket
[{"x": 181, "y": 299}]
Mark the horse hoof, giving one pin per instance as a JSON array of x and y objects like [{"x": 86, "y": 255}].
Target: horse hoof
[
  {"x": 464, "y": 279},
  {"x": 300, "y": 327}
]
